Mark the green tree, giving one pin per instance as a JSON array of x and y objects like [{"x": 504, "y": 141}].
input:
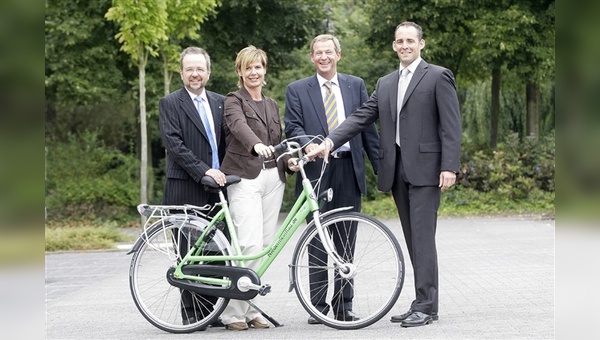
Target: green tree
[
  {"x": 86, "y": 79},
  {"x": 477, "y": 39},
  {"x": 278, "y": 27},
  {"x": 184, "y": 19},
  {"x": 142, "y": 27},
  {"x": 520, "y": 35},
  {"x": 535, "y": 60}
]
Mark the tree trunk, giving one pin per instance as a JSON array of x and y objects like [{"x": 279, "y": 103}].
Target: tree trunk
[
  {"x": 143, "y": 134},
  {"x": 167, "y": 84},
  {"x": 532, "y": 94},
  {"x": 166, "y": 75},
  {"x": 495, "y": 113}
]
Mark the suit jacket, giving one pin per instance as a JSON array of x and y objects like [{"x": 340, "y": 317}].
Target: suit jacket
[
  {"x": 305, "y": 115},
  {"x": 430, "y": 126},
  {"x": 246, "y": 126},
  {"x": 189, "y": 154}
]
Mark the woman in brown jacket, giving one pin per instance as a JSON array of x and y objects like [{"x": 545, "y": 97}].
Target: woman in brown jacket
[{"x": 252, "y": 128}]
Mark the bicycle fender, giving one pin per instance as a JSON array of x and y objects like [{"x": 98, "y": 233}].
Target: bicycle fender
[{"x": 333, "y": 211}]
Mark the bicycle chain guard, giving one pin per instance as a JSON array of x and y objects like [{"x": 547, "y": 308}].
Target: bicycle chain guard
[{"x": 233, "y": 273}]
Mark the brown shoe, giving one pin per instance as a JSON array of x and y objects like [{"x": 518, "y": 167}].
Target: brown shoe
[
  {"x": 237, "y": 326},
  {"x": 258, "y": 322}
]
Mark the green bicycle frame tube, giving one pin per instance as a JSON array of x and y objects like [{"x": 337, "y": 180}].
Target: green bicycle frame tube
[{"x": 304, "y": 205}]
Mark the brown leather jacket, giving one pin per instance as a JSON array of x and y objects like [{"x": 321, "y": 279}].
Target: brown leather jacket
[{"x": 245, "y": 126}]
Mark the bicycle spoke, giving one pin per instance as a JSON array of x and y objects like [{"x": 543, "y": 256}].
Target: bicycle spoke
[{"x": 373, "y": 255}]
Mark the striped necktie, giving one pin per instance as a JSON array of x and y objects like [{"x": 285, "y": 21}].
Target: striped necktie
[{"x": 330, "y": 107}]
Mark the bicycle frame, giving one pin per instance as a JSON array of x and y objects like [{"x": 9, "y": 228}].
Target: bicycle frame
[{"x": 305, "y": 204}]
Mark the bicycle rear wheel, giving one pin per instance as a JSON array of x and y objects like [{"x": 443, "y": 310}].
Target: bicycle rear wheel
[
  {"x": 375, "y": 281},
  {"x": 163, "y": 305}
]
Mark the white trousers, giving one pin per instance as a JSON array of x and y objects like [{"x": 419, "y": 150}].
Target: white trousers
[{"x": 254, "y": 206}]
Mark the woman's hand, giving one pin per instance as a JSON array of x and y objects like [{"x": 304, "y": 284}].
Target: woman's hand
[{"x": 263, "y": 150}]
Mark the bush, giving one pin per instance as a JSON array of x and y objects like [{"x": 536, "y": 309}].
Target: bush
[
  {"x": 517, "y": 177},
  {"x": 514, "y": 169},
  {"x": 86, "y": 179}
]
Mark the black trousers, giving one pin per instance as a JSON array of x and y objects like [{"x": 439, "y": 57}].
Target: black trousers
[
  {"x": 417, "y": 207},
  {"x": 345, "y": 193},
  {"x": 193, "y": 304}
]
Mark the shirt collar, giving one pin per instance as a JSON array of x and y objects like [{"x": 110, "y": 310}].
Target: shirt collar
[
  {"x": 193, "y": 96},
  {"x": 323, "y": 80},
  {"x": 412, "y": 67}
]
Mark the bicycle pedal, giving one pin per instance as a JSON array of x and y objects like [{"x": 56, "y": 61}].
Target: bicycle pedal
[{"x": 264, "y": 290}]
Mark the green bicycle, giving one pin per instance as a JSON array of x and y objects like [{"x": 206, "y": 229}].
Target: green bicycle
[{"x": 184, "y": 249}]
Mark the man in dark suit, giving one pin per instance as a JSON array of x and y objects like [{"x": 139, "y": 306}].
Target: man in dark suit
[
  {"x": 419, "y": 155},
  {"x": 305, "y": 114},
  {"x": 190, "y": 123}
]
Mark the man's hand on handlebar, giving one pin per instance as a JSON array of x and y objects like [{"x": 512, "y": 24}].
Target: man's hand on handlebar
[
  {"x": 322, "y": 150},
  {"x": 293, "y": 164}
]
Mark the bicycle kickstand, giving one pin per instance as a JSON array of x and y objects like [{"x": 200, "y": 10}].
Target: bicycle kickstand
[{"x": 265, "y": 315}]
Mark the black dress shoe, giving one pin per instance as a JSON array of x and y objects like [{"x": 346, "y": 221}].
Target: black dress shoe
[
  {"x": 313, "y": 321},
  {"x": 417, "y": 319},
  {"x": 347, "y": 316},
  {"x": 402, "y": 317},
  {"x": 217, "y": 323}
]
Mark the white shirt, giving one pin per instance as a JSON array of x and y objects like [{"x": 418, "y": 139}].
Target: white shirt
[
  {"x": 337, "y": 92},
  {"x": 209, "y": 114},
  {"x": 412, "y": 68}
]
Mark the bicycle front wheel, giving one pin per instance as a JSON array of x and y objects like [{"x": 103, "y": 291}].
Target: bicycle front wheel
[
  {"x": 374, "y": 281},
  {"x": 167, "y": 307}
]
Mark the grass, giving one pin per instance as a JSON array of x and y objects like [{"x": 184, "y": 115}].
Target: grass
[
  {"x": 463, "y": 203},
  {"x": 83, "y": 235}
]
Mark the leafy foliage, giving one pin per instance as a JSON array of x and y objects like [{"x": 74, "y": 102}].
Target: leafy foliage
[
  {"x": 517, "y": 177},
  {"x": 82, "y": 64},
  {"x": 277, "y": 27},
  {"x": 86, "y": 179},
  {"x": 515, "y": 169},
  {"x": 142, "y": 26},
  {"x": 92, "y": 90}
]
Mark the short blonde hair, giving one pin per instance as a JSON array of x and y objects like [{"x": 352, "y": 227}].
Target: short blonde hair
[
  {"x": 247, "y": 56},
  {"x": 324, "y": 38}
]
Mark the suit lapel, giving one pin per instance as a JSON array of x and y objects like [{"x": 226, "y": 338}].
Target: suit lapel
[
  {"x": 314, "y": 93},
  {"x": 416, "y": 78},
  {"x": 392, "y": 88},
  {"x": 216, "y": 109},
  {"x": 346, "y": 90}
]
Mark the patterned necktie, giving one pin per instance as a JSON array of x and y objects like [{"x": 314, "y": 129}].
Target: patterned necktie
[
  {"x": 209, "y": 132},
  {"x": 330, "y": 107}
]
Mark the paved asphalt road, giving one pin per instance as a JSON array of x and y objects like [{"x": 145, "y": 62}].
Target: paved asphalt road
[{"x": 495, "y": 274}]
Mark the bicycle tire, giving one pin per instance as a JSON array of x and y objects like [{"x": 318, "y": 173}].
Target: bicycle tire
[
  {"x": 161, "y": 303},
  {"x": 378, "y": 275}
]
